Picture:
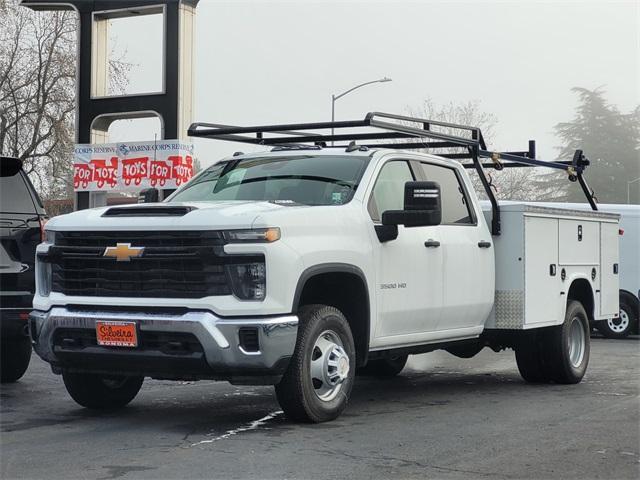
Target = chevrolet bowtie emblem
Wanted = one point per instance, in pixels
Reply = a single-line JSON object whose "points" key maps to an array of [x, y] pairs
{"points": [[123, 252]]}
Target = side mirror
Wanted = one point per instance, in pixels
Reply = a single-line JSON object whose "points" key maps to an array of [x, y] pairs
{"points": [[422, 206], [9, 166], [148, 195]]}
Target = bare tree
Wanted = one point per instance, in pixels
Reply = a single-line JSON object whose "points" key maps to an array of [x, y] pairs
{"points": [[37, 88], [510, 183], [37, 93]]}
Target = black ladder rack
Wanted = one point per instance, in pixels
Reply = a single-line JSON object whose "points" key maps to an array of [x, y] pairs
{"points": [[401, 132]]}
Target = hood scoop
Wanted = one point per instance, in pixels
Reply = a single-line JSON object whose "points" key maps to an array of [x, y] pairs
{"points": [[148, 211]]}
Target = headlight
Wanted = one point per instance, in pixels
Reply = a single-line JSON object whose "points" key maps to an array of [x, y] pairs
{"points": [[50, 237], [255, 235], [248, 280]]}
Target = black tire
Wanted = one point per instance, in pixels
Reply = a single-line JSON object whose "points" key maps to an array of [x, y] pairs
{"points": [[568, 365], [101, 392], [546, 355], [298, 394], [626, 322], [15, 356], [384, 367], [531, 357]]}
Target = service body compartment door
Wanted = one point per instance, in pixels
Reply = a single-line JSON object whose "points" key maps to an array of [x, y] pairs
{"points": [[579, 242], [609, 296], [543, 302]]}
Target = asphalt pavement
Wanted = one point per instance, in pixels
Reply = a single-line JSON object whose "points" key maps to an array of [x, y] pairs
{"points": [[443, 417]]}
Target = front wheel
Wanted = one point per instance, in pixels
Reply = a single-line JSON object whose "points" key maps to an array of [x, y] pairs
{"points": [[317, 383], [101, 392]]}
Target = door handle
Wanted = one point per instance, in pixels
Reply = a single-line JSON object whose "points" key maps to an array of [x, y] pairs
{"points": [[432, 243], [484, 244]]}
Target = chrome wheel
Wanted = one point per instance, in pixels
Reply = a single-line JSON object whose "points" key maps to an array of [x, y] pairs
{"points": [[577, 342], [329, 365], [620, 324]]}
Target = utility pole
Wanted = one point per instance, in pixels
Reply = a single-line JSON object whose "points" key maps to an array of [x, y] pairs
{"points": [[629, 189]]}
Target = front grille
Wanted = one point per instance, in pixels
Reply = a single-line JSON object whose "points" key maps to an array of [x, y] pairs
{"points": [[174, 264], [176, 238]]}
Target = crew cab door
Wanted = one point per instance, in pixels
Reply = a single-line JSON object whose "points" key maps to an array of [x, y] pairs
{"points": [[467, 250], [408, 273]]}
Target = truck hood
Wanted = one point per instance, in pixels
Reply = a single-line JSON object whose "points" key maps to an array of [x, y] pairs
{"points": [[198, 216]]}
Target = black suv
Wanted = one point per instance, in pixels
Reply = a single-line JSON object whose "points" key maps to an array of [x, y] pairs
{"points": [[22, 220]]}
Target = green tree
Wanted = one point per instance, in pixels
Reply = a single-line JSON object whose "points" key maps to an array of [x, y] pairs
{"points": [[610, 140]]}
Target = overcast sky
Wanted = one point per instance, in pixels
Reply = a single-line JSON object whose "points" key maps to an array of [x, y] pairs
{"points": [[263, 62]]}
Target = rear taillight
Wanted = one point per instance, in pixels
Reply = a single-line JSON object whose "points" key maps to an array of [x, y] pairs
{"points": [[621, 231], [43, 222]]}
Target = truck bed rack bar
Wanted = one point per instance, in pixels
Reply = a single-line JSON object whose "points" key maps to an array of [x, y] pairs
{"points": [[388, 131]]}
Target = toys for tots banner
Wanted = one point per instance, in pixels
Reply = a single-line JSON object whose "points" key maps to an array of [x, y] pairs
{"points": [[132, 166]]}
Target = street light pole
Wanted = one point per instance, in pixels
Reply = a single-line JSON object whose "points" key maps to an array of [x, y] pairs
{"points": [[336, 97], [629, 189]]}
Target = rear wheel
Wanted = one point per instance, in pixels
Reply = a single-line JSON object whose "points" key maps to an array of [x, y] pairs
{"points": [[101, 392], [15, 354], [529, 358], [318, 381], [384, 367], [570, 347], [622, 326], [559, 354]]}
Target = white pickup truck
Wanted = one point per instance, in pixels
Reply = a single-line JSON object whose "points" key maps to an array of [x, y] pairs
{"points": [[300, 265]]}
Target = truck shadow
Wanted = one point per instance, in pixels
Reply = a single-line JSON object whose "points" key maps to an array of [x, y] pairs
{"points": [[186, 414], [210, 418]]}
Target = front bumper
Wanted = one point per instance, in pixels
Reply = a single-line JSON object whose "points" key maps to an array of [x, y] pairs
{"points": [[185, 345]]}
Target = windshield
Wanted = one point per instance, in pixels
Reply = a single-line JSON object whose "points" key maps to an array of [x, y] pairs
{"points": [[304, 179], [14, 194]]}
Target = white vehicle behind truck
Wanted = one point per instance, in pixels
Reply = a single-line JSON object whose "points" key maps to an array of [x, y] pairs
{"points": [[299, 265]]}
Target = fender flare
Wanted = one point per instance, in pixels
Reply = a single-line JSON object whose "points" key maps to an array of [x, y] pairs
{"points": [[569, 282], [323, 268], [635, 301], [328, 268], [627, 293]]}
